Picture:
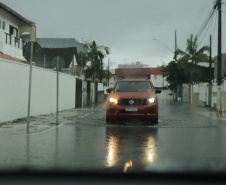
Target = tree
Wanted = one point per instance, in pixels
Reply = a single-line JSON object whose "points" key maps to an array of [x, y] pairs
{"points": [[92, 59], [182, 72], [192, 52]]}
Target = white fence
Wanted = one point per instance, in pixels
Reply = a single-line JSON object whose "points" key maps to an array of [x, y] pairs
{"points": [[14, 83], [199, 94]]}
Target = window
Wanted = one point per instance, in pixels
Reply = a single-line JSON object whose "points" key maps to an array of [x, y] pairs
{"points": [[3, 25], [13, 31], [133, 86], [155, 77]]}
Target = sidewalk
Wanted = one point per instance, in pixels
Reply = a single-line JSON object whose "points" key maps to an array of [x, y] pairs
{"points": [[42, 123]]}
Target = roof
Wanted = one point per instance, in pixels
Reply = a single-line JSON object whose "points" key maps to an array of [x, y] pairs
{"points": [[9, 58], [134, 80], [14, 13], [59, 43], [138, 71]]}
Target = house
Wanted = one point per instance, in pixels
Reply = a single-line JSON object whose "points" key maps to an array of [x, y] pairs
{"points": [[142, 72], [133, 65], [66, 48], [12, 25]]}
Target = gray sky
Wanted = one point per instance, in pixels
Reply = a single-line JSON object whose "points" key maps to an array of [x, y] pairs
{"points": [[128, 27]]}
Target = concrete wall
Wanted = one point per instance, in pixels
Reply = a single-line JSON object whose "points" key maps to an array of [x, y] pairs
{"points": [[200, 95], [186, 93], [84, 93], [100, 93], [14, 83], [158, 80]]}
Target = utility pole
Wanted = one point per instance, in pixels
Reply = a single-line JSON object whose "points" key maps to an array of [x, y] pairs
{"points": [[175, 53], [108, 70], [219, 106], [210, 61], [29, 89], [219, 44], [101, 69], [175, 58], [57, 90], [210, 74]]}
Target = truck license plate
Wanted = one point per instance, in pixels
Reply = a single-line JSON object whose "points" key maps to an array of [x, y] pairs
{"points": [[131, 108]]}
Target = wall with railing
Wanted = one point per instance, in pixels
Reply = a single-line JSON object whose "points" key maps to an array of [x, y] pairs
{"points": [[11, 45]]}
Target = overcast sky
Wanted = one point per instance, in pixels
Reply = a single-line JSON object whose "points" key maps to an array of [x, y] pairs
{"points": [[128, 27]]}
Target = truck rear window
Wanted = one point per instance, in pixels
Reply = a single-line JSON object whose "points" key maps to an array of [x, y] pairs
{"points": [[133, 86]]}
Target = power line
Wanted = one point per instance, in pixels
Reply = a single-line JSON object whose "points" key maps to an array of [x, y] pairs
{"points": [[207, 19], [214, 28], [163, 44], [203, 27], [208, 27]]}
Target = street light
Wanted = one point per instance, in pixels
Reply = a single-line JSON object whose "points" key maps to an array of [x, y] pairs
{"points": [[26, 37]]}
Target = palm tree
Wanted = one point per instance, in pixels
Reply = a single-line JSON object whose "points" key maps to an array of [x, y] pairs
{"points": [[92, 59], [192, 52], [195, 55]]}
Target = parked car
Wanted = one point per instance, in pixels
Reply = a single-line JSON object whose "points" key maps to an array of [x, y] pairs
{"points": [[132, 98]]}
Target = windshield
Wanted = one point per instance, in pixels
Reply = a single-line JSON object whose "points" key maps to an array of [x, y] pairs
{"points": [[113, 85], [133, 86]]}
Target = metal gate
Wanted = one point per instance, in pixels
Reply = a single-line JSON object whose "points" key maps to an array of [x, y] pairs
{"points": [[78, 95]]}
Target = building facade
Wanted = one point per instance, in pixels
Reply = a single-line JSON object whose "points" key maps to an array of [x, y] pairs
{"points": [[154, 74], [12, 25]]}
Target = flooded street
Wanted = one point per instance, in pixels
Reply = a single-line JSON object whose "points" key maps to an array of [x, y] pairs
{"points": [[185, 135]]}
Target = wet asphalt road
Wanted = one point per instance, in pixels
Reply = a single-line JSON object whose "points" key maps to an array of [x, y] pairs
{"points": [[185, 135]]}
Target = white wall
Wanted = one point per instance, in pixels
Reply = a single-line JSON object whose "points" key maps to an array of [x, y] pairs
{"points": [[201, 92], [92, 92], [186, 93], [100, 87], [158, 80], [84, 93], [14, 83]]}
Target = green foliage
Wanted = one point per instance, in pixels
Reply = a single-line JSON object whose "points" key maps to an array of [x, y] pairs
{"points": [[183, 72], [192, 52], [186, 70]]}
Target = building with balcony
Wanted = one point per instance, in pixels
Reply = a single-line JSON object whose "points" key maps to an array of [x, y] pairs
{"points": [[12, 25]]}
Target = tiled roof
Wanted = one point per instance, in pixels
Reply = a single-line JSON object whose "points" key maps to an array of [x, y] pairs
{"points": [[59, 43], [9, 58], [138, 71], [11, 11]]}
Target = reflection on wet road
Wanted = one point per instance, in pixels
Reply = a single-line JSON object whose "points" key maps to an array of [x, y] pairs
{"points": [[184, 134], [130, 143]]}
